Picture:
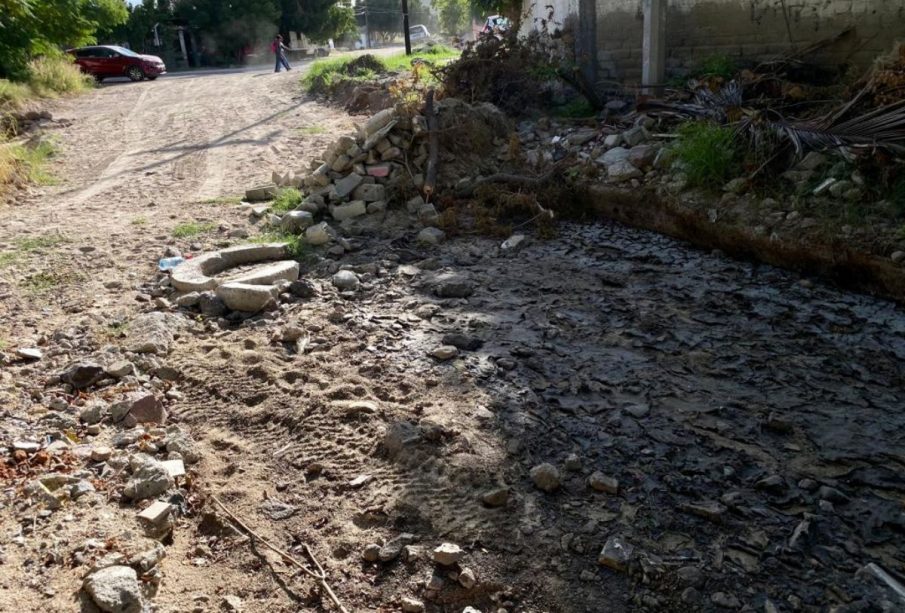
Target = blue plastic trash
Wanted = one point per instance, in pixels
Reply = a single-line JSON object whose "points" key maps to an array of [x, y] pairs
{"points": [[166, 264]]}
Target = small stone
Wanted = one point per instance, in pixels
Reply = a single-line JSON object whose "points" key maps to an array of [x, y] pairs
{"points": [[467, 579], [377, 207], [898, 257], [410, 605], [642, 156], [431, 236], [115, 589], [513, 242], [393, 548], [496, 497], [371, 553], [634, 136], [616, 554], [318, 234], [303, 288], [345, 280], [453, 286], [360, 481], [447, 554], [233, 603], [175, 468], [812, 161], [612, 140], [347, 185], [138, 408], [296, 221], [572, 462], [623, 171], [736, 186], [123, 368], [773, 483], [149, 478], [445, 352], [690, 575], [708, 509], [725, 600], [370, 192], [156, 514], [545, 477], [101, 454], [603, 483], [29, 353]]}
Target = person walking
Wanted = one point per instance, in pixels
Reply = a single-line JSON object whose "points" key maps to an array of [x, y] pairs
{"points": [[278, 48]]}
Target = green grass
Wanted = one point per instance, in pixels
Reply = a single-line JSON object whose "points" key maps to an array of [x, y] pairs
{"points": [[14, 95], [41, 282], [224, 200], [40, 242], [708, 154], [578, 108], [33, 161], [324, 73], [52, 76], [717, 65], [8, 258], [298, 249], [287, 200], [312, 130], [140, 221], [192, 228]]}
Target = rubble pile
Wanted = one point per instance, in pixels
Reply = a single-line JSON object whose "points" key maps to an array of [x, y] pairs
{"points": [[97, 450]]}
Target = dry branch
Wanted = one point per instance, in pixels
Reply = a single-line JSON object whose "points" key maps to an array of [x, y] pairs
{"points": [[433, 145], [320, 576]]}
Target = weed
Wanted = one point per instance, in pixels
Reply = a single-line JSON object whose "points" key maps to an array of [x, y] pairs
{"points": [[41, 282], [192, 228], [40, 242], [224, 200], [8, 258], [324, 74], [312, 130], [708, 153], [717, 65], [14, 95], [298, 249], [287, 199], [117, 329], [32, 160], [54, 75], [576, 108], [140, 221]]}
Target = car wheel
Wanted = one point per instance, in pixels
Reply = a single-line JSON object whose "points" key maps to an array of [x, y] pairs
{"points": [[98, 79], [152, 78], [135, 73]]}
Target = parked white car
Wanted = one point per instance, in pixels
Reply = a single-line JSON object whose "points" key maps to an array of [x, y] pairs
{"points": [[418, 32]]}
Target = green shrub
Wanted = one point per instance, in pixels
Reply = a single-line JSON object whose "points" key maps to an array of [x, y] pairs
{"points": [[708, 153], [52, 76], [13, 95], [286, 200], [717, 65]]}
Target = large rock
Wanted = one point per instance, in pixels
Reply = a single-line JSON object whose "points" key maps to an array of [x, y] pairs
{"points": [[296, 221], [153, 333], [623, 171], [431, 236], [545, 477], [616, 154], [447, 554], [138, 408], [83, 374], [319, 234], [149, 478], [453, 286], [345, 280], [115, 589], [246, 297]]}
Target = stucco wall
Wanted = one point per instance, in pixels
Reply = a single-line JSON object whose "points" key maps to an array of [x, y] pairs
{"points": [[754, 29]]}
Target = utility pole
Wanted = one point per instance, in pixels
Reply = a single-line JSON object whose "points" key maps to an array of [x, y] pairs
{"points": [[653, 61], [405, 27], [367, 25]]}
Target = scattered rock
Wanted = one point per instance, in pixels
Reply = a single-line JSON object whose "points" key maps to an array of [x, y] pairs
{"points": [[115, 589], [296, 221], [345, 281], [467, 579], [303, 288], [623, 171], [513, 242], [153, 333], [462, 342], [371, 553], [616, 554], [138, 408], [496, 497], [29, 353], [572, 462], [83, 374], [725, 600], [453, 286], [233, 603], [247, 298], [347, 185], [545, 477], [319, 234], [445, 352], [353, 209], [93, 411], [410, 605], [150, 478], [120, 369], [261, 193], [431, 236], [447, 554], [603, 483]]}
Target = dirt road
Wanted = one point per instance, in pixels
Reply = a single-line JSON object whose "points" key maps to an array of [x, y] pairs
{"points": [[737, 429]]}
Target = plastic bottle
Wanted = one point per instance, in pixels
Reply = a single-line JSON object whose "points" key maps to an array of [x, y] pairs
{"points": [[166, 264]]}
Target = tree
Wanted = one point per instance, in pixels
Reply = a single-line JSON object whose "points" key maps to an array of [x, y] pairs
{"points": [[384, 18], [228, 27], [339, 20], [29, 28], [454, 15]]}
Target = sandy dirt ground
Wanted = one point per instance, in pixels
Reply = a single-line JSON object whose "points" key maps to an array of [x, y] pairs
{"points": [[737, 429]]}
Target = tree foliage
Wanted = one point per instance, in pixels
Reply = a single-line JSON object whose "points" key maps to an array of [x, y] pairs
{"points": [[30, 28], [227, 27], [454, 15]]}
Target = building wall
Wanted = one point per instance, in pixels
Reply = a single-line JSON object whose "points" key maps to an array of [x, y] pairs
{"points": [[752, 29]]}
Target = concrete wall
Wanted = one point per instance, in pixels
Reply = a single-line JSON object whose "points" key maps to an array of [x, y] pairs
{"points": [[752, 29]]}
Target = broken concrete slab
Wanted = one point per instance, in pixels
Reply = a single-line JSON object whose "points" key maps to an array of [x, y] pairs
{"points": [[195, 275], [347, 185], [287, 270], [342, 212], [153, 333]]}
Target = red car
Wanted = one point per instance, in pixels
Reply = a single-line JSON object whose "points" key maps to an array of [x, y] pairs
{"points": [[110, 61]]}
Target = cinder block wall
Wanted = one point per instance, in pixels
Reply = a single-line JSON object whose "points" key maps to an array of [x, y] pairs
{"points": [[753, 29]]}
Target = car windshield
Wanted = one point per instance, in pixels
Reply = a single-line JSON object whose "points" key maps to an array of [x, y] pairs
{"points": [[124, 51]]}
